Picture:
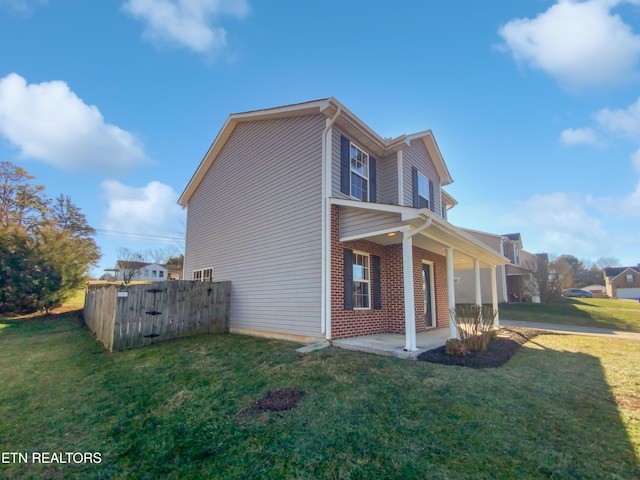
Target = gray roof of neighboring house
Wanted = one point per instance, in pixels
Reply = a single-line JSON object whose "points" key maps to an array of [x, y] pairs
{"points": [[512, 236], [615, 271]]}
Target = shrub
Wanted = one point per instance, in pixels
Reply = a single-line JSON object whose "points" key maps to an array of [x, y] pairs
{"points": [[475, 325], [455, 347]]}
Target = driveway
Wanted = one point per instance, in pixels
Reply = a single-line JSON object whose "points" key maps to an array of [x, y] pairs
{"points": [[573, 329]]}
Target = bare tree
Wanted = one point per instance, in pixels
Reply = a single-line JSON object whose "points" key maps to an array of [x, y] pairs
{"points": [[550, 275], [606, 262], [129, 263]]}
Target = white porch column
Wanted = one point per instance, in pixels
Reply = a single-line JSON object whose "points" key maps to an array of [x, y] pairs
{"points": [[494, 294], [476, 279], [453, 332], [409, 300]]}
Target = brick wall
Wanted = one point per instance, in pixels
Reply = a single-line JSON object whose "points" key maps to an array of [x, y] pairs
{"points": [[390, 319]]}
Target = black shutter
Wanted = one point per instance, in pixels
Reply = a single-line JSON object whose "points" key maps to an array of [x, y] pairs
{"points": [[345, 168], [375, 282], [431, 195], [372, 179], [414, 176], [347, 255]]}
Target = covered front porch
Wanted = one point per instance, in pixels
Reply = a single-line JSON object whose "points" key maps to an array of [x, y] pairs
{"points": [[420, 243]]}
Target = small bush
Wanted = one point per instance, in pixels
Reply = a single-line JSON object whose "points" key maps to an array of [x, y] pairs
{"points": [[455, 347], [475, 325]]}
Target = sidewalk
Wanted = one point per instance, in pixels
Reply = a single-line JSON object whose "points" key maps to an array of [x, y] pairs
{"points": [[573, 329]]}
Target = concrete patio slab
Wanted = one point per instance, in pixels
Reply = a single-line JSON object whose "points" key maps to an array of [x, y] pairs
{"points": [[392, 344]]}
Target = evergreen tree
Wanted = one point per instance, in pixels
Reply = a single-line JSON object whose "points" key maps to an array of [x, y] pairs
{"points": [[46, 248]]}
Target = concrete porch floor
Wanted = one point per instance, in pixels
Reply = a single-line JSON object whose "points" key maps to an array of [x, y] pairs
{"points": [[392, 344]]}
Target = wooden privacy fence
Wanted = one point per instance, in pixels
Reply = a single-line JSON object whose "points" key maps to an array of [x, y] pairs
{"points": [[144, 314]]}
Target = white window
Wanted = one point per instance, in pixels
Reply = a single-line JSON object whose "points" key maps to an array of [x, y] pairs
{"points": [[361, 281], [161, 273], [203, 275], [444, 212], [154, 273], [630, 278], [359, 161], [423, 191], [146, 273]]}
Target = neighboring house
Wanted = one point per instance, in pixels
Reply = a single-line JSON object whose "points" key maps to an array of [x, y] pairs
{"points": [[321, 225], [174, 272], [595, 289], [512, 280], [141, 271], [622, 282]]}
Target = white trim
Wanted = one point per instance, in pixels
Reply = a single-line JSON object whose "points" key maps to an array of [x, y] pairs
{"points": [[325, 264], [368, 282], [201, 271], [432, 281], [476, 279], [428, 197], [494, 294], [453, 332], [409, 300], [400, 178], [354, 172]]}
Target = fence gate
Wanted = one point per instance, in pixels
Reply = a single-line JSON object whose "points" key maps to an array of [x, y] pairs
{"points": [[150, 313]]}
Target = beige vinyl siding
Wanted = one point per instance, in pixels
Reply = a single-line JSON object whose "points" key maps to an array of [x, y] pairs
{"points": [[386, 171], [465, 289], [387, 181], [416, 155], [256, 220], [356, 221]]}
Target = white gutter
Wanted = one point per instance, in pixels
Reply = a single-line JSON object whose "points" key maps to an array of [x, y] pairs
{"points": [[407, 276], [325, 306]]}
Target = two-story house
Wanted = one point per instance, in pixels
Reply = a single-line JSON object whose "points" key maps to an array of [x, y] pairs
{"points": [[513, 279], [622, 282], [325, 229]]}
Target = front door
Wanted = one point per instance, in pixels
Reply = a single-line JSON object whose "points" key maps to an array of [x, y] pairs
{"points": [[427, 294]]}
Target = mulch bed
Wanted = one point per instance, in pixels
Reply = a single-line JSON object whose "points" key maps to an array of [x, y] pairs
{"points": [[499, 351]]}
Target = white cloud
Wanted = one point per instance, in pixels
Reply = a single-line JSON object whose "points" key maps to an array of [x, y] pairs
{"points": [[562, 225], [186, 22], [145, 212], [624, 206], [579, 43], [635, 160], [48, 122], [25, 7], [622, 122], [575, 136]]}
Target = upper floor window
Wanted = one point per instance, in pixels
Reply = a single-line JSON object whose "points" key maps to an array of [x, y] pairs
{"points": [[444, 211], [161, 273], [359, 162], [423, 191], [516, 254], [630, 278]]}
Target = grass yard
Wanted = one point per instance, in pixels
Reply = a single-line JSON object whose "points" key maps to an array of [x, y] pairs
{"points": [[589, 312], [563, 407]]}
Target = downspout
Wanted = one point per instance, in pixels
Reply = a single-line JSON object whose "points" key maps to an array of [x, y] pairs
{"points": [[407, 275], [325, 306]]}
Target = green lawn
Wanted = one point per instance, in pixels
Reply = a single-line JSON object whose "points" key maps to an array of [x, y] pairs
{"points": [[589, 312], [563, 407]]}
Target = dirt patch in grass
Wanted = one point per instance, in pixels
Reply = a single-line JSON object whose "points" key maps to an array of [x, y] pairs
{"points": [[499, 351], [279, 400]]}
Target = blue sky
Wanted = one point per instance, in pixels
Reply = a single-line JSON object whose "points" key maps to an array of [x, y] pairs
{"points": [[535, 104]]}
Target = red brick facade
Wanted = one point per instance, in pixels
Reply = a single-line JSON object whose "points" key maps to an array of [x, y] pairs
{"points": [[390, 319]]}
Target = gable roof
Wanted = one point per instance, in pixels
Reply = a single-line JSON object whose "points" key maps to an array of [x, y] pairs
{"points": [[612, 272], [330, 107]]}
